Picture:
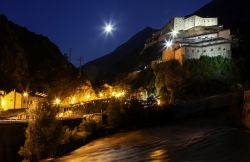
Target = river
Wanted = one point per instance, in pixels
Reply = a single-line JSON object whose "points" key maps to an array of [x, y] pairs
{"points": [[200, 139]]}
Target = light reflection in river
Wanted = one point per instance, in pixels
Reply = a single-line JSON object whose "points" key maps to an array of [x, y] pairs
{"points": [[209, 139], [159, 155]]}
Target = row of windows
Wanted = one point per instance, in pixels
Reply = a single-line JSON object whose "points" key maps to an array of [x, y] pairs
{"points": [[27, 102], [219, 49]]}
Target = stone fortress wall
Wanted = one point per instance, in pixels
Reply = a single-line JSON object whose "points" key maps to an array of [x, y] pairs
{"points": [[182, 23], [196, 37]]}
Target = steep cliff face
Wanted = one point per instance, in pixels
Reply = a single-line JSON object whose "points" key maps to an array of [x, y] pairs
{"points": [[29, 60]]}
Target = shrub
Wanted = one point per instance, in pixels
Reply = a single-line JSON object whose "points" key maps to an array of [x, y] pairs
{"points": [[42, 134]]}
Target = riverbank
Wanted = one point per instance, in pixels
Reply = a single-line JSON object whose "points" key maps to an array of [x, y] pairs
{"points": [[206, 138]]}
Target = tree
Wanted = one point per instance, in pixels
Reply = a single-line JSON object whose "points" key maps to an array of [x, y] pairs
{"points": [[42, 134]]}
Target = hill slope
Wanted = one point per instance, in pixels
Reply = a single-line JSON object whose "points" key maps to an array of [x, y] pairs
{"points": [[29, 60], [124, 59]]}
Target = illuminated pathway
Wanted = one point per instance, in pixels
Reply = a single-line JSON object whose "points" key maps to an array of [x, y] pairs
{"points": [[208, 140]]}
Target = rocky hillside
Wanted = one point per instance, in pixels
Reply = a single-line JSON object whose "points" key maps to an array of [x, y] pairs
{"points": [[30, 61], [124, 59]]}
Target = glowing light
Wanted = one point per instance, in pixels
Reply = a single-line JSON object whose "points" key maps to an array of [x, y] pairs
{"points": [[73, 100], [113, 94], [25, 94], [3, 103], [174, 33], [87, 97], [118, 94], [156, 154], [168, 43], [158, 102], [57, 101], [108, 28], [100, 94]]}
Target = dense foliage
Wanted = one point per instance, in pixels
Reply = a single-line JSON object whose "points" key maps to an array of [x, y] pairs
{"points": [[212, 68], [31, 61], [209, 76], [43, 133], [195, 78]]}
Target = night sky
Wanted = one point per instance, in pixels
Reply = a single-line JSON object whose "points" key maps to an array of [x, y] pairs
{"points": [[77, 24]]}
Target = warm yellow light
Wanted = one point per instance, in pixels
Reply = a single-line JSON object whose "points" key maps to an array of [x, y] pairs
{"points": [[25, 94], [113, 94], [2, 103], [100, 94], [57, 101], [88, 96], [158, 102], [119, 94], [73, 100]]}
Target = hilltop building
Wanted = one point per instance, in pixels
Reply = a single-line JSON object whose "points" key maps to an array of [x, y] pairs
{"points": [[191, 38]]}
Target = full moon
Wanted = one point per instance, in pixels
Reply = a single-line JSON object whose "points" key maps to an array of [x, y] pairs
{"points": [[108, 28]]}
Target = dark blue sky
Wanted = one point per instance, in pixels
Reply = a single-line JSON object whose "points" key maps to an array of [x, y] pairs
{"points": [[77, 24]]}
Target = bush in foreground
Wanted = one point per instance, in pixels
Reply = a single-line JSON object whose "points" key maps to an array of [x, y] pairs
{"points": [[42, 134]]}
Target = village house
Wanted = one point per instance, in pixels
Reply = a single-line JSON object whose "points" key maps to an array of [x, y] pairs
{"points": [[17, 100]]}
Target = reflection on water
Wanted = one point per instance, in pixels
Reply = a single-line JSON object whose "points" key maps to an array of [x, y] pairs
{"points": [[159, 155], [207, 140]]}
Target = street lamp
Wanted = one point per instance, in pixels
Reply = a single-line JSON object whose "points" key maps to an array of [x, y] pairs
{"points": [[168, 43], [57, 101], [25, 94]]}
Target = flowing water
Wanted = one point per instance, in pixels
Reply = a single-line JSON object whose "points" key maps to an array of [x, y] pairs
{"points": [[203, 139]]}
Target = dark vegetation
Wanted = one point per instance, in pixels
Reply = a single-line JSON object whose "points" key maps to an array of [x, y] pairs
{"points": [[134, 115], [235, 16], [208, 76], [30, 61], [43, 134], [196, 78]]}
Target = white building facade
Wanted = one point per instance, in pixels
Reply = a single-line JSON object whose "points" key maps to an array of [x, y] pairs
{"points": [[196, 37], [182, 23]]}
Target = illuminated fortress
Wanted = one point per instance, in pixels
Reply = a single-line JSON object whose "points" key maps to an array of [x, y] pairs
{"points": [[191, 38]]}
